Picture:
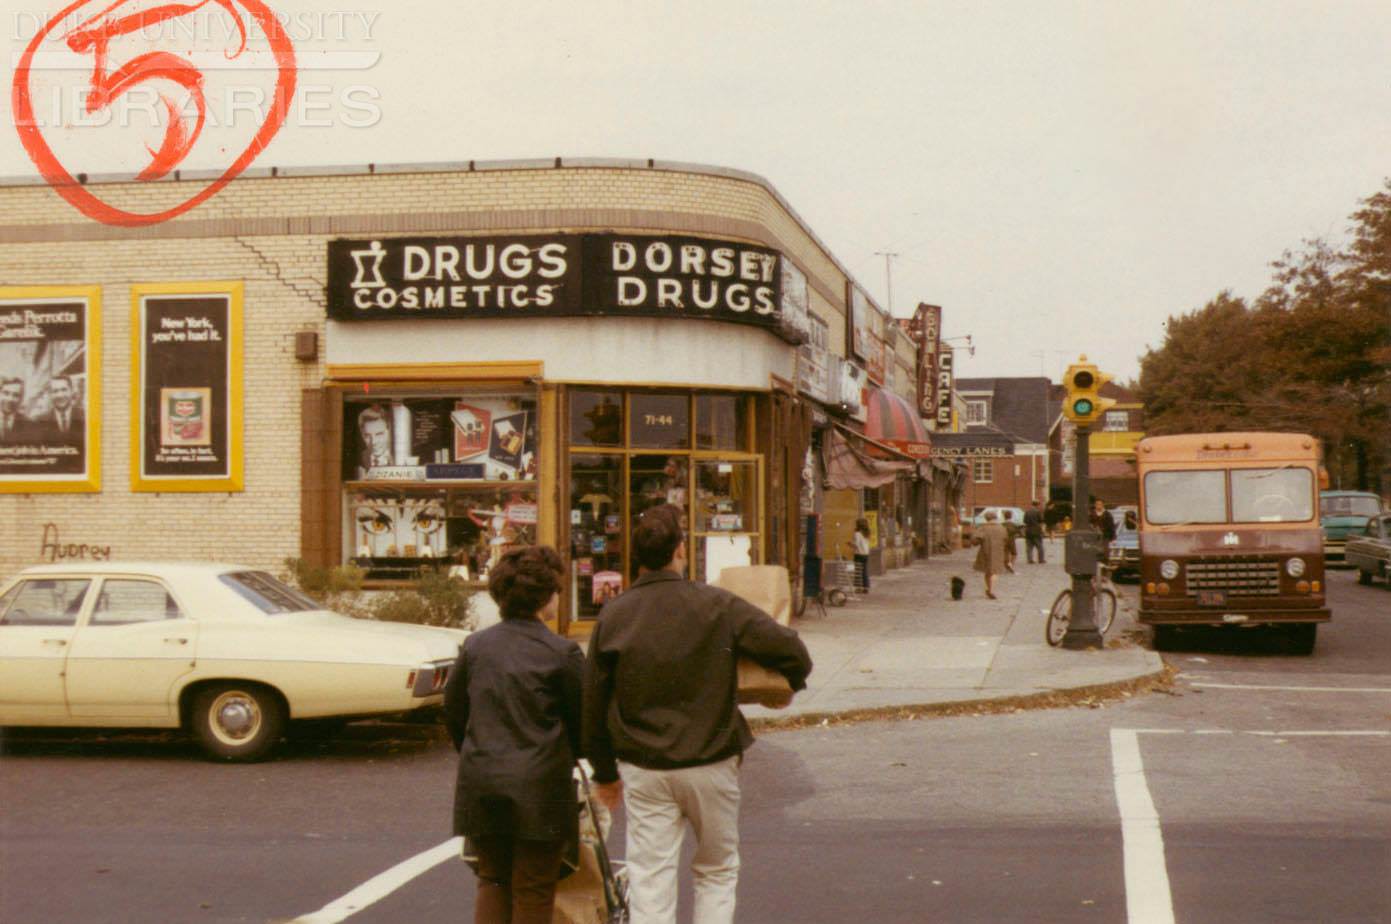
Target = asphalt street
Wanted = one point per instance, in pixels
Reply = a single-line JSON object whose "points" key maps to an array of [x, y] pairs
{"points": [[1266, 773]]}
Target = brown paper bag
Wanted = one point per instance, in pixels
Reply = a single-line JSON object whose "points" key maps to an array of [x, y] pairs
{"points": [[768, 588]]}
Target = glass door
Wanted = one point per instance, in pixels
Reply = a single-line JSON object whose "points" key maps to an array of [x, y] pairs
{"points": [[726, 517]]}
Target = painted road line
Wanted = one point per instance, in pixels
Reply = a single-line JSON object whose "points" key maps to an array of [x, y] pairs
{"points": [[1147, 896], [382, 885], [1324, 734], [1290, 689]]}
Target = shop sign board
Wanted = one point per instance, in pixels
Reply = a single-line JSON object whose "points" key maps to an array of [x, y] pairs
{"points": [[522, 276], [861, 322], [186, 387], [814, 373], [970, 452], [927, 333], [50, 408], [945, 382], [796, 303], [853, 386]]}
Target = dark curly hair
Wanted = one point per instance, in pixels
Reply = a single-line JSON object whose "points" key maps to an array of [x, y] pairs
{"points": [[657, 535], [524, 580]]}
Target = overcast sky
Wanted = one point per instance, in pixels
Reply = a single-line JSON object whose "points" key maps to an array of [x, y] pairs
{"points": [[1060, 177]]}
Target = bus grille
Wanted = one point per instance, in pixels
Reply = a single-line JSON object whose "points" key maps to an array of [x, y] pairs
{"points": [[1239, 577]]}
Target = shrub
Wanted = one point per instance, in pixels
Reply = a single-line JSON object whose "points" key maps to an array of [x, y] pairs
{"points": [[436, 599]]}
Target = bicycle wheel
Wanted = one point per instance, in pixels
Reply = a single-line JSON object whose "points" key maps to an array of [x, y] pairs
{"points": [[1058, 618], [1104, 601]]}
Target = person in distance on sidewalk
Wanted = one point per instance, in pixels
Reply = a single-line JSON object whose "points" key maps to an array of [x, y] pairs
{"points": [[1033, 533], [990, 558], [1012, 530], [662, 725]]}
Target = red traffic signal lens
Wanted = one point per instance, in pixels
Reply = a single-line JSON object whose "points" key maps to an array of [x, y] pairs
{"points": [[1083, 379]]}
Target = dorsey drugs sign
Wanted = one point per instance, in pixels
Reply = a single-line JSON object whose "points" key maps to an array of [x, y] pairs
{"points": [[554, 276]]}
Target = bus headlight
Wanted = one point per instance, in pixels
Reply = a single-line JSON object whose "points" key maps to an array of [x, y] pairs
{"points": [[1294, 567], [1168, 569]]}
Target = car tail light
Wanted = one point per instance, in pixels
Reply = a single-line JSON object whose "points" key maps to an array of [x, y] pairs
{"points": [[410, 681]]}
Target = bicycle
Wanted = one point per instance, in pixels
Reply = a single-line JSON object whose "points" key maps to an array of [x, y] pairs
{"points": [[1103, 608]]}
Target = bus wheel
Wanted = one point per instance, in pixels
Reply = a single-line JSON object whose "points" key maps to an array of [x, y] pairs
{"points": [[1165, 638], [1364, 577], [1300, 638]]}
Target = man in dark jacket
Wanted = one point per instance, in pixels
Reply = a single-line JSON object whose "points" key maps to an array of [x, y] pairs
{"points": [[1033, 533], [661, 714]]}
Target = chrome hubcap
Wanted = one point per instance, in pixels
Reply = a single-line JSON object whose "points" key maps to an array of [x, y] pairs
{"points": [[235, 717]]}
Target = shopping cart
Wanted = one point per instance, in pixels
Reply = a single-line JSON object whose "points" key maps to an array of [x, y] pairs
{"points": [[839, 581]]}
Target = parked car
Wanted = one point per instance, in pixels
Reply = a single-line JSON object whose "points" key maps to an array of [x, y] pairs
{"points": [[1123, 554], [1370, 552], [1342, 514], [229, 653]]}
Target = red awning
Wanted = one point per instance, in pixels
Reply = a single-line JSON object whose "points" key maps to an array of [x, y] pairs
{"points": [[895, 422]]}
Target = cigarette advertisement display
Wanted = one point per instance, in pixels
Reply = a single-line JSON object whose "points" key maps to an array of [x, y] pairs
{"points": [[186, 387], [486, 437], [50, 382]]}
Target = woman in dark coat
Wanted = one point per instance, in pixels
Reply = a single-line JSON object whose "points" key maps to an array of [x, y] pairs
{"points": [[512, 705]]}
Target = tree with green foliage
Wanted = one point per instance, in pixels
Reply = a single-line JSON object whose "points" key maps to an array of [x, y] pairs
{"points": [[1312, 354]]}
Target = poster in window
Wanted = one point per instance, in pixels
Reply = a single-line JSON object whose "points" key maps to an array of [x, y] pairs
{"points": [[508, 439], [50, 407], [484, 437], [186, 387]]}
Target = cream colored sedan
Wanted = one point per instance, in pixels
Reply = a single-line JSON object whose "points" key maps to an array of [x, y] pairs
{"points": [[227, 652]]}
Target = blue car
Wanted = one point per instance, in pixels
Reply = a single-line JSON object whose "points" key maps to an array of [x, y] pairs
{"points": [[1343, 514]]}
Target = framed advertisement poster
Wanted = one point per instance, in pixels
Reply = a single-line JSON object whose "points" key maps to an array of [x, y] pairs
{"points": [[186, 387], [50, 389]]}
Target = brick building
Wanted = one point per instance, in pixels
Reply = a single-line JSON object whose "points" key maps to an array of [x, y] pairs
{"points": [[400, 367], [1111, 448], [1004, 439]]}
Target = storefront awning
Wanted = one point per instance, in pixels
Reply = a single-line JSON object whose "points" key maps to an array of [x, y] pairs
{"points": [[849, 466], [895, 422]]}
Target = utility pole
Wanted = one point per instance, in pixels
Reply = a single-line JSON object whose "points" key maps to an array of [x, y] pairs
{"points": [[888, 275]]}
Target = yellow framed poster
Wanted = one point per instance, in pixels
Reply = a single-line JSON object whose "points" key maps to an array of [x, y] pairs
{"points": [[50, 389], [186, 387]]}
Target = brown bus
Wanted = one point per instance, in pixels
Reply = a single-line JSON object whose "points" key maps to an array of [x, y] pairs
{"points": [[1229, 534]]}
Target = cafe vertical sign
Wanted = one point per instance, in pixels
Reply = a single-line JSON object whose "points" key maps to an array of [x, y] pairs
{"points": [[186, 387]]}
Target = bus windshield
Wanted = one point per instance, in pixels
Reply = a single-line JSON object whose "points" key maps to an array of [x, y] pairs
{"points": [[1272, 495], [1259, 495], [1186, 497]]}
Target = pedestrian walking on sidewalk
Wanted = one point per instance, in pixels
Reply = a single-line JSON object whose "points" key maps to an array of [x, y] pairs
{"points": [[1012, 530], [662, 727], [990, 557], [513, 706], [1033, 533], [859, 546]]}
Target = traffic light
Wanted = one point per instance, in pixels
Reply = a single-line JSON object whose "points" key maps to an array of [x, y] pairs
{"points": [[1083, 404]]}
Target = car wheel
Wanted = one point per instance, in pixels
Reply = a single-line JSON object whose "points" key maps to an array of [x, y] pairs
{"points": [[237, 721], [1363, 576]]}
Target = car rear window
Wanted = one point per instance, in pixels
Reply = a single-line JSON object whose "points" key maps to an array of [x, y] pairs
{"points": [[267, 594]]}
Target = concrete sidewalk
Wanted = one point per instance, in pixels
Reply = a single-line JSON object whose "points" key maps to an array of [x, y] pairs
{"points": [[908, 644]]}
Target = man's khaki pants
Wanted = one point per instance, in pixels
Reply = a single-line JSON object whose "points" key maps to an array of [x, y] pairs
{"points": [[658, 804]]}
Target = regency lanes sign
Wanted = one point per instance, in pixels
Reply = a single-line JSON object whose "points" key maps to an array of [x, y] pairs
{"points": [[515, 276]]}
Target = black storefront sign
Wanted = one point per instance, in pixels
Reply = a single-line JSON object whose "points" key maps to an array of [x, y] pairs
{"points": [[186, 400], [554, 276]]}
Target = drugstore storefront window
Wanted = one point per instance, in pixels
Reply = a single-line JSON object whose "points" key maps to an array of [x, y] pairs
{"points": [[630, 450], [438, 480]]}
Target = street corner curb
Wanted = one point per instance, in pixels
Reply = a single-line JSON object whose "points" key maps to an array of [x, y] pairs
{"points": [[1092, 696]]}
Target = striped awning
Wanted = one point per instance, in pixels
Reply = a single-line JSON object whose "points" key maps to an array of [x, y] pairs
{"points": [[895, 422]]}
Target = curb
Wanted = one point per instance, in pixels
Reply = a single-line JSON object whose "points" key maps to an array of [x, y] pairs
{"points": [[1092, 696]]}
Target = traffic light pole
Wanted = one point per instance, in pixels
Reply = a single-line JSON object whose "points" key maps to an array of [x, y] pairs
{"points": [[1082, 552]]}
